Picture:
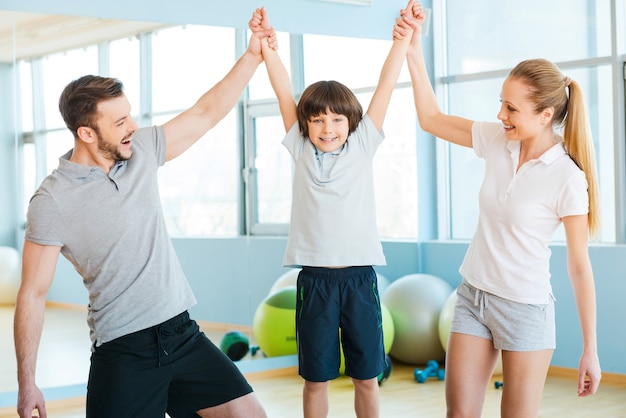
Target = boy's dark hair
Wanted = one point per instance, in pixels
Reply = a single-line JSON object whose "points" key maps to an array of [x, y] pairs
{"points": [[331, 95], [79, 100]]}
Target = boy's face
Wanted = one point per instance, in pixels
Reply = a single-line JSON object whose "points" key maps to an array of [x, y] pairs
{"points": [[329, 131]]}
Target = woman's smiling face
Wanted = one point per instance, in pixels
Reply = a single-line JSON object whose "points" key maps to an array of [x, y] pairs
{"points": [[517, 114]]}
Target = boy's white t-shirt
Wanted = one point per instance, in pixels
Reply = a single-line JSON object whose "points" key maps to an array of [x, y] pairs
{"points": [[333, 211]]}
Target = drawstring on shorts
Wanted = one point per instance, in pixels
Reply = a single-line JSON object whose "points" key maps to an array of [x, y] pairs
{"points": [[482, 301], [159, 344]]}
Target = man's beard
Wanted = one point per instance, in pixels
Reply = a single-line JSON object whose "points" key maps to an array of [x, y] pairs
{"points": [[109, 150]]}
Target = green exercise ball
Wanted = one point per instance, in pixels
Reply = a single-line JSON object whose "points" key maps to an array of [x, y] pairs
{"points": [[274, 323]]}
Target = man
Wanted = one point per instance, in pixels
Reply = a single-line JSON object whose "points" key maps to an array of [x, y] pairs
{"points": [[100, 208]]}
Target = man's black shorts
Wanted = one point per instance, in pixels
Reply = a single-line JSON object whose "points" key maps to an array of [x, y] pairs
{"points": [[172, 367]]}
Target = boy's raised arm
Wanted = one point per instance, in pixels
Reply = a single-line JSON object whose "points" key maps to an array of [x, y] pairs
{"points": [[278, 75]]}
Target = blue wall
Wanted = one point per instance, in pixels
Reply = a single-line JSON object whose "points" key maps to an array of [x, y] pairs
{"points": [[232, 276]]}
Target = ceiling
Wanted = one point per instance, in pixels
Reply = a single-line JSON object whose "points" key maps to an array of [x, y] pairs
{"points": [[41, 34]]}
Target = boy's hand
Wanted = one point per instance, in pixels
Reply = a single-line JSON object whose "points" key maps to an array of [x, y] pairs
{"points": [[259, 22], [418, 11], [410, 21], [401, 29]]}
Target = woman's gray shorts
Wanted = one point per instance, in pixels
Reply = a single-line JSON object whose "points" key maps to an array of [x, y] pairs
{"points": [[510, 325]]}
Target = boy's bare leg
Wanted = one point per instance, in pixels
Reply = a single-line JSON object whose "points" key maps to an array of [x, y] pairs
{"points": [[366, 402], [315, 399]]}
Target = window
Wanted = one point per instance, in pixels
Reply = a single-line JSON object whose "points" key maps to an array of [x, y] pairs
{"points": [[354, 62], [200, 189], [42, 81], [260, 87], [29, 163], [274, 169], [238, 178], [26, 96], [186, 63], [487, 35], [268, 167], [124, 58], [56, 72], [579, 42], [395, 169]]}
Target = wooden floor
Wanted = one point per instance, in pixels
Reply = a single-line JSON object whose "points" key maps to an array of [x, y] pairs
{"points": [[64, 357]]}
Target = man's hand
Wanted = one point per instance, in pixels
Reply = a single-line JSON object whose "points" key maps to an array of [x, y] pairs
{"points": [[30, 398]]}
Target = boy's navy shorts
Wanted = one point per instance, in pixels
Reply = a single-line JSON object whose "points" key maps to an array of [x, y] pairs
{"points": [[336, 303], [172, 367]]}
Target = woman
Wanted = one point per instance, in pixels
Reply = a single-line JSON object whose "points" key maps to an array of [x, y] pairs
{"points": [[535, 179]]}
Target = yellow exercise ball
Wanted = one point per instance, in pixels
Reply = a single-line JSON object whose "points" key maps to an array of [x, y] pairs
{"points": [[274, 323]]}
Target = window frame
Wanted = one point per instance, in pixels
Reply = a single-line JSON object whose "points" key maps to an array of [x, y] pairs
{"points": [[617, 61], [249, 111]]}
